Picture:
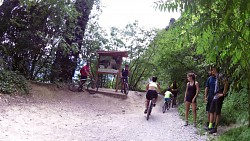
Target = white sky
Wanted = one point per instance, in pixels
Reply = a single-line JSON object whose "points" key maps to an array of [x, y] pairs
{"points": [[119, 13]]}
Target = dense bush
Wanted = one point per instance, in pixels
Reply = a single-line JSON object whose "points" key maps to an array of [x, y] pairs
{"points": [[12, 83], [235, 108]]}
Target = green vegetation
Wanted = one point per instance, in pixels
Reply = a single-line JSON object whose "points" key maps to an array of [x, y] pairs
{"points": [[13, 83], [217, 32], [48, 40], [240, 133]]}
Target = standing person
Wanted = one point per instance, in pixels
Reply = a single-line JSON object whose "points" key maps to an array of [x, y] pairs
{"points": [[174, 90], [209, 93], [124, 76], [85, 72], [191, 94], [152, 88], [221, 86]]}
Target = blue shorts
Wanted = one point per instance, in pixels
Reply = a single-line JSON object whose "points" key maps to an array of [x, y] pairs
{"points": [[167, 99]]}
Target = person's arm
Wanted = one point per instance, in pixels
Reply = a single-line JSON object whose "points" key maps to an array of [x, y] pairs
{"points": [[225, 89], [186, 92], [197, 91], [159, 88], [206, 92], [147, 86]]}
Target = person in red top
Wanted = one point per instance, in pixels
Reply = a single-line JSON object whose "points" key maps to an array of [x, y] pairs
{"points": [[84, 73]]}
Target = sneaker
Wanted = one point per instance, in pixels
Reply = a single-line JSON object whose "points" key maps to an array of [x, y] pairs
{"points": [[146, 110], [186, 123], [206, 126], [213, 130], [154, 104]]}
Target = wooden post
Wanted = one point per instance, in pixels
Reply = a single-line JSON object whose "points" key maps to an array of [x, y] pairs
{"points": [[97, 66], [118, 75]]}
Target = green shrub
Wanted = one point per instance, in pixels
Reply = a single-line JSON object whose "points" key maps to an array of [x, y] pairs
{"points": [[241, 134], [235, 108], [12, 83]]}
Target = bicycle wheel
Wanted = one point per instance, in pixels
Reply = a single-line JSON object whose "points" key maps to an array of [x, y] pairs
{"points": [[91, 88], [73, 87], [164, 107], [168, 105], [97, 86], [149, 109], [126, 89]]}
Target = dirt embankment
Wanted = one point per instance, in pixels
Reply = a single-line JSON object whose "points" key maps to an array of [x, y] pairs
{"points": [[53, 114]]}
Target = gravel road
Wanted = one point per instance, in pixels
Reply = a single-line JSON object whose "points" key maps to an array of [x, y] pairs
{"points": [[59, 115]]}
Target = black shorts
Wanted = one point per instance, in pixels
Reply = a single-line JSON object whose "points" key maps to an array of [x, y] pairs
{"points": [[84, 77], [125, 79], [174, 92], [216, 105], [189, 98], [151, 94], [209, 101]]}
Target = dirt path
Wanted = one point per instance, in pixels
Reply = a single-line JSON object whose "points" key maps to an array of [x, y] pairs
{"points": [[57, 115]]}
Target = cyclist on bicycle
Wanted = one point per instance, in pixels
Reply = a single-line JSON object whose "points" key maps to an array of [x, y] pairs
{"points": [[168, 95], [152, 88], [124, 76], [85, 72]]}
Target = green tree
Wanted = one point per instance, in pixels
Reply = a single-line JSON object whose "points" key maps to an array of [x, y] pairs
{"points": [[222, 35]]}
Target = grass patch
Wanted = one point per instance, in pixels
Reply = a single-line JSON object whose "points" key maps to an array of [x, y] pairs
{"points": [[241, 134]]}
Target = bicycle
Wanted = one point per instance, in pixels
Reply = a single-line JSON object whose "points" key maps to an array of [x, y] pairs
{"points": [[149, 108], [167, 105], [125, 86], [91, 85]]}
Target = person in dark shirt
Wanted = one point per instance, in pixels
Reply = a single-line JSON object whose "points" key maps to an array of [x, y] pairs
{"points": [[209, 93], [220, 91], [174, 90], [191, 94], [124, 76]]}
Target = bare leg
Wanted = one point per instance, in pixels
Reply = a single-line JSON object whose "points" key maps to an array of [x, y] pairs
{"points": [[208, 116], [146, 104], [187, 110], [154, 100], [194, 111], [217, 120]]}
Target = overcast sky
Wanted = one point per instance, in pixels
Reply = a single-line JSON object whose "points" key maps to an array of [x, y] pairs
{"points": [[118, 13]]}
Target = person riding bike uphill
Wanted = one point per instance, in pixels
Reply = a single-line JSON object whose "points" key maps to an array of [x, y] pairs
{"points": [[85, 72], [124, 76], [174, 90], [152, 88]]}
